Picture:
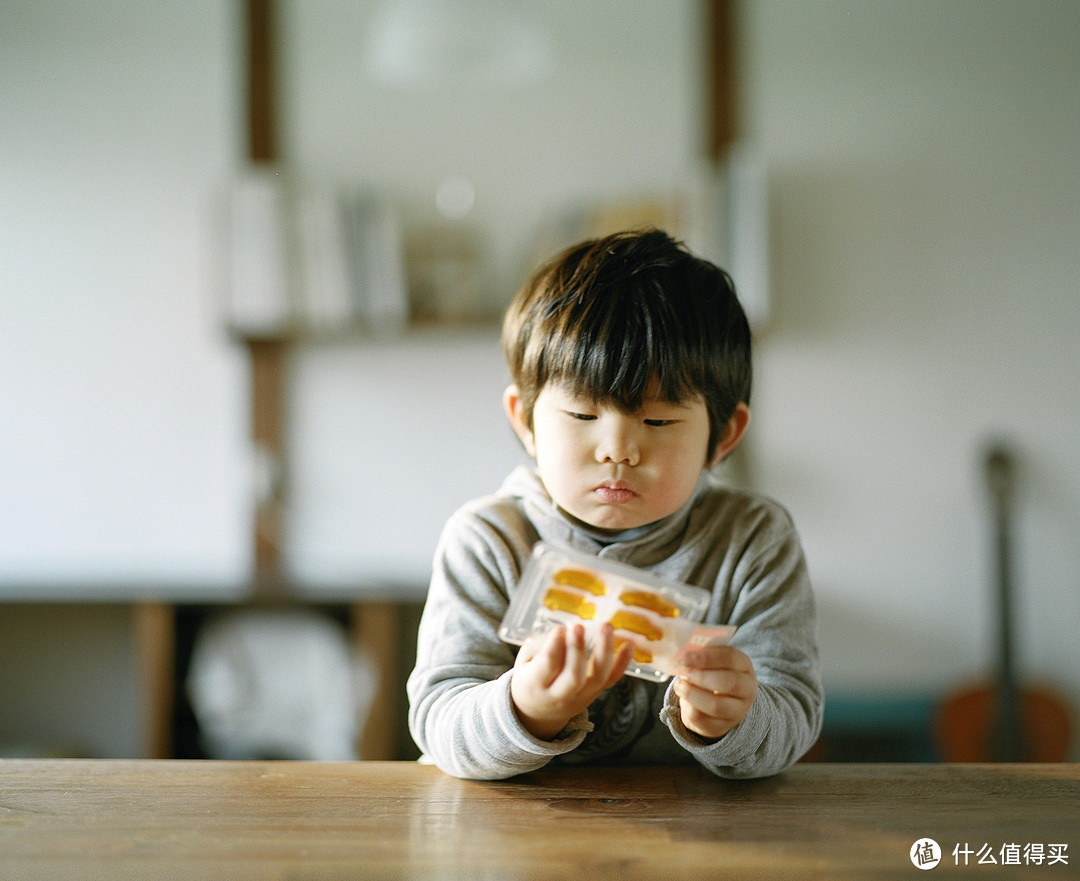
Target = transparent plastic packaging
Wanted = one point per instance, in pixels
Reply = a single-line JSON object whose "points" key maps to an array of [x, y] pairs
{"points": [[661, 618]]}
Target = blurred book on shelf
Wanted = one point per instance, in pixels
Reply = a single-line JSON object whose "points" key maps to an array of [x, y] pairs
{"points": [[310, 259]]}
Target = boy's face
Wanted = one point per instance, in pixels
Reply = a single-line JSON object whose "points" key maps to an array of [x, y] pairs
{"points": [[615, 470]]}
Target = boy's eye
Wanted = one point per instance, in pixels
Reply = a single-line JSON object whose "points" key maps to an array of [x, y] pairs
{"points": [[584, 417], [657, 422]]}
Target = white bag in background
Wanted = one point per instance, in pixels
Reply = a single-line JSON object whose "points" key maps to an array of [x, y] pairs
{"points": [[282, 684]]}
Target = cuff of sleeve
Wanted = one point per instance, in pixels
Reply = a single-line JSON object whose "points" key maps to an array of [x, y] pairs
{"points": [[568, 739], [575, 729], [738, 745]]}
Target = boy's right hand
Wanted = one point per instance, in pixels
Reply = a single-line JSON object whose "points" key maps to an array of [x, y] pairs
{"points": [[557, 677]]}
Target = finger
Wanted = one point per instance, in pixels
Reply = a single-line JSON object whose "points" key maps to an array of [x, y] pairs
{"points": [[715, 718], [528, 650], [547, 656], [709, 700], [717, 682], [706, 711], [606, 665], [619, 664], [715, 656], [577, 655], [603, 652], [721, 669]]}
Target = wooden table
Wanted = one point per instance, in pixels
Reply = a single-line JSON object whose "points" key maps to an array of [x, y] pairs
{"points": [[385, 820]]}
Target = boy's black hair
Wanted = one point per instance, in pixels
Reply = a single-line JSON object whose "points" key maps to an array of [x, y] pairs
{"points": [[609, 315]]}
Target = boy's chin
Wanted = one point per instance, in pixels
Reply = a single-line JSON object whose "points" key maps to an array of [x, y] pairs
{"points": [[609, 521]]}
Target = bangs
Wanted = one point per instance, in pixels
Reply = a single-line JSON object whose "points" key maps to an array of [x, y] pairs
{"points": [[611, 346]]}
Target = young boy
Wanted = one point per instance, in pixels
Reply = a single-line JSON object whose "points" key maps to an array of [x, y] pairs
{"points": [[630, 361]]}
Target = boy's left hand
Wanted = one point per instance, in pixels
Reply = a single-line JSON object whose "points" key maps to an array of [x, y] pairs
{"points": [[716, 686]]}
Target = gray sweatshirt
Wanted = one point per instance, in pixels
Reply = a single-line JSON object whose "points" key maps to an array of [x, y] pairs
{"points": [[742, 547]]}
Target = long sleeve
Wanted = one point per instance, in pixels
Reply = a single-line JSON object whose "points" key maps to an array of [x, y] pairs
{"points": [[771, 602], [460, 711]]}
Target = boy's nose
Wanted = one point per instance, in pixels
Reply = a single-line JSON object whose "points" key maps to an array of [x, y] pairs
{"points": [[619, 447]]}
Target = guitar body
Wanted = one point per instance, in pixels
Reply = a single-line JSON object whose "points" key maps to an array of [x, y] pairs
{"points": [[968, 726]]}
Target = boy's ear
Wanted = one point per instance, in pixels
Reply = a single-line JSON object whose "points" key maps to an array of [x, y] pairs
{"points": [[513, 406], [732, 433]]}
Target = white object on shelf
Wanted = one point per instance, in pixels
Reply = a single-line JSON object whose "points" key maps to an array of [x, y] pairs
{"points": [[258, 286]]}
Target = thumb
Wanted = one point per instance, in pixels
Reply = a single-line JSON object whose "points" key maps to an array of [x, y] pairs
{"points": [[547, 652]]}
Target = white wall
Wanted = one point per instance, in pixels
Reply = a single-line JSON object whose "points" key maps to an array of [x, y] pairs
{"points": [[120, 400], [927, 220], [388, 439]]}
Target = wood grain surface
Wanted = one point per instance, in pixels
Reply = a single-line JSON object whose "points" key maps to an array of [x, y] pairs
{"points": [[399, 820]]}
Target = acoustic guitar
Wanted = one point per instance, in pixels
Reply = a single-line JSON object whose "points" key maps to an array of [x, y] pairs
{"points": [[1000, 720]]}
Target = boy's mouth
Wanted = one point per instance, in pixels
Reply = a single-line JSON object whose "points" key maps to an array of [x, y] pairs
{"points": [[614, 493]]}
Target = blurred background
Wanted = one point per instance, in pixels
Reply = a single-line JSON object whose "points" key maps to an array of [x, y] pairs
{"points": [[899, 187]]}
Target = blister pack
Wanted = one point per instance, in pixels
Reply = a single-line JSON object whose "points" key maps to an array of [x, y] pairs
{"points": [[661, 618]]}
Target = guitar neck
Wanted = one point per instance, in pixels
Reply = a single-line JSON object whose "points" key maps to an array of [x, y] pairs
{"points": [[1007, 737]]}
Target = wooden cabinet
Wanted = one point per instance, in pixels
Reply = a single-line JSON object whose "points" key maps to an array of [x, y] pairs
{"points": [[382, 629]]}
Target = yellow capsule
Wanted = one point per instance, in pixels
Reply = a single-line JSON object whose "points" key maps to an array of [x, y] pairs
{"points": [[639, 624], [581, 579], [647, 600], [559, 600]]}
